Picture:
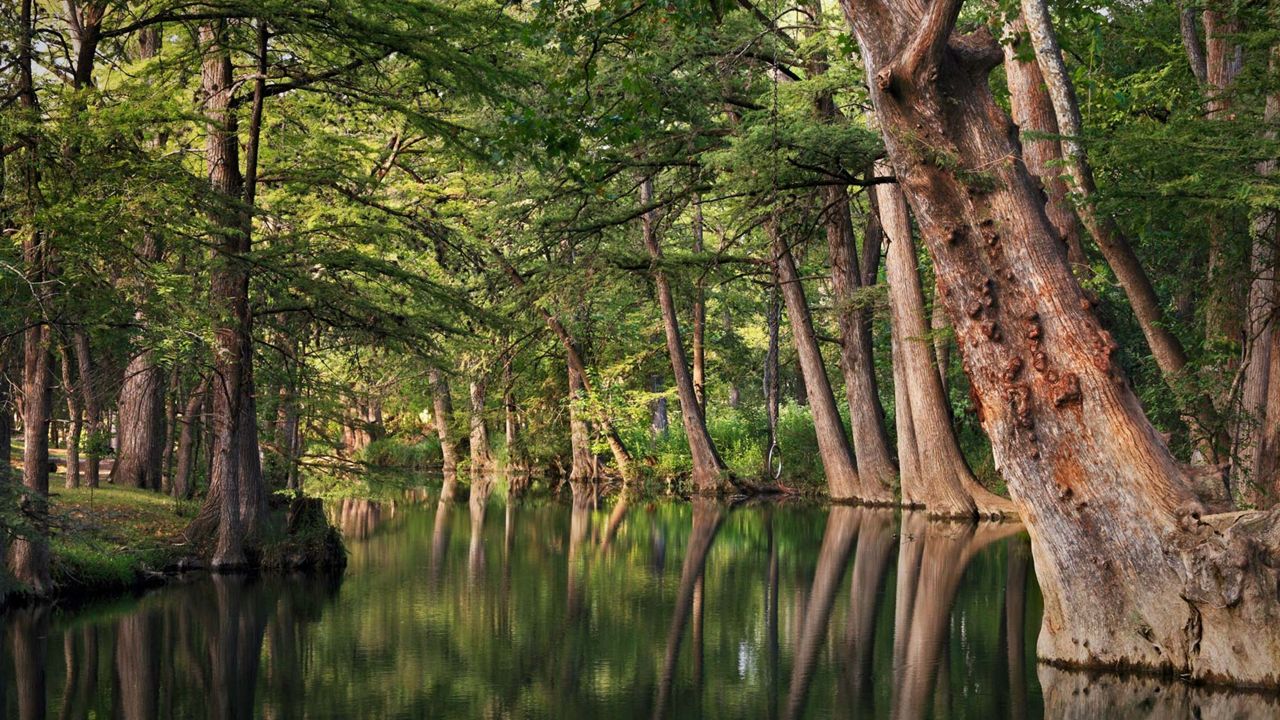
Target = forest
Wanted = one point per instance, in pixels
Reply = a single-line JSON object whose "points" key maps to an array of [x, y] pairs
{"points": [[993, 263]]}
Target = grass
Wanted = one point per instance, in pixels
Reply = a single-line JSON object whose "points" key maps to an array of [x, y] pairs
{"points": [[110, 538]]}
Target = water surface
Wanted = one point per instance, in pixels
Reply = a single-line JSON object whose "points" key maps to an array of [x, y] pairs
{"points": [[548, 611]]}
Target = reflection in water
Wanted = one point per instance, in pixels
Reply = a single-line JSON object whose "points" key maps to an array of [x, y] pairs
{"points": [[568, 610]]}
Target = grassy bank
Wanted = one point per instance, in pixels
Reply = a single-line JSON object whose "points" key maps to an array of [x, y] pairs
{"points": [[112, 538]]}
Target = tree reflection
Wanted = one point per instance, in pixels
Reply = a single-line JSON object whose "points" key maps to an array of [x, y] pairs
{"points": [[932, 557], [707, 516]]}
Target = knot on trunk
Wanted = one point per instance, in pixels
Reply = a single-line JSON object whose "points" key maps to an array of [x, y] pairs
{"points": [[1213, 561]]}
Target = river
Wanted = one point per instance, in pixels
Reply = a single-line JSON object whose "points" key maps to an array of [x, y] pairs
{"points": [[542, 610]]}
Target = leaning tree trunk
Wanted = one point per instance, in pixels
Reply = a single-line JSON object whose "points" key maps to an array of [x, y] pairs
{"points": [[578, 368], [843, 482], [710, 474], [942, 484], [872, 450], [1032, 111], [582, 462], [1133, 573], [1167, 350], [442, 414]]}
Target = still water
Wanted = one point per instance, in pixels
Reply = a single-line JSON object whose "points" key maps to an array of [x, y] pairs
{"points": [[546, 611]]}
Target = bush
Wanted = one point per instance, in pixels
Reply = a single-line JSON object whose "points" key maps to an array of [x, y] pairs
{"points": [[397, 454]]}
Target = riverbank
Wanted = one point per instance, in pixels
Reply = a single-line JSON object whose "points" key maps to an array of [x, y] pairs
{"points": [[108, 539]]}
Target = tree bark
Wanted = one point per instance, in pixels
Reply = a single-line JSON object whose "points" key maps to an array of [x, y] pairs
{"points": [[942, 484], [481, 462], [29, 557], [699, 314], [229, 292], [1167, 350], [1033, 113], [139, 459], [872, 452], [189, 442], [442, 414], [710, 474], [1133, 573], [75, 413], [843, 482], [92, 406]]}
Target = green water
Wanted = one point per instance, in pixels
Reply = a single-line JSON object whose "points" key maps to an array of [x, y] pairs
{"points": [[544, 611]]}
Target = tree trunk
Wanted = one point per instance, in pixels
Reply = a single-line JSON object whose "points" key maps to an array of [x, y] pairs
{"points": [[75, 414], [658, 422], [92, 406], [843, 482], [139, 459], [582, 464], [710, 475], [578, 368], [29, 559], [1255, 440], [866, 415], [1165, 346], [189, 443], [171, 399], [481, 462], [699, 314], [442, 414], [943, 484], [1032, 110], [870, 437], [1133, 574], [229, 293], [1224, 59], [772, 367], [6, 423]]}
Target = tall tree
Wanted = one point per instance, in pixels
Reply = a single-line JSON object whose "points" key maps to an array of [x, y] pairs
{"points": [[710, 475], [1116, 530]]}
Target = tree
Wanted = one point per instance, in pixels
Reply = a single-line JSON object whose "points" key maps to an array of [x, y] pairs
{"points": [[1117, 532]]}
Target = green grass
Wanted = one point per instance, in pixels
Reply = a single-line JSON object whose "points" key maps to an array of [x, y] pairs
{"points": [[108, 538]]}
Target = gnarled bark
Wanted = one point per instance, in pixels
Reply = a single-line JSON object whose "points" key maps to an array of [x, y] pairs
{"points": [[1167, 350], [1133, 573]]}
